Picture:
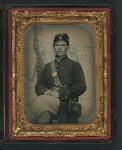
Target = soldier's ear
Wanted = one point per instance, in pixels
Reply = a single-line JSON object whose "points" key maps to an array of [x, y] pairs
{"points": [[68, 47]]}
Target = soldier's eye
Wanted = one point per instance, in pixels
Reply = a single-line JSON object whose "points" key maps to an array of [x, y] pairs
{"points": [[56, 44], [63, 45]]}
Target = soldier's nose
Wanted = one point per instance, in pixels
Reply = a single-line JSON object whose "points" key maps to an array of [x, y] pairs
{"points": [[59, 48]]}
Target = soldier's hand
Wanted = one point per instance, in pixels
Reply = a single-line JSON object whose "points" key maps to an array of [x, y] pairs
{"points": [[55, 94], [48, 93]]}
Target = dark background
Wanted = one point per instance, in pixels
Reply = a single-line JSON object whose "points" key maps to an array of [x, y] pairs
{"points": [[116, 86]]}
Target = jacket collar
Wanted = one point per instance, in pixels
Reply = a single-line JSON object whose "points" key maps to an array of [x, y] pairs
{"points": [[57, 58]]}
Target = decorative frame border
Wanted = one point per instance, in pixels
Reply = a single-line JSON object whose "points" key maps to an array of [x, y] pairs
{"points": [[19, 127], [2, 106]]}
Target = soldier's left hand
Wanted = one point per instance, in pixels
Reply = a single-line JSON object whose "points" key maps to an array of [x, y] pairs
{"points": [[55, 94]]}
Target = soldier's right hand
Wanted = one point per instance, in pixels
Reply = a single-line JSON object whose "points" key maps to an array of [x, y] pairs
{"points": [[48, 93]]}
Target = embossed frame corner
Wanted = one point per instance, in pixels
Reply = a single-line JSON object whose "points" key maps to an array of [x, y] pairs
{"points": [[99, 20]]}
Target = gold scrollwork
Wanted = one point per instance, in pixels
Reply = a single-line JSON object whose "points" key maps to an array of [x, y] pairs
{"points": [[20, 21]]}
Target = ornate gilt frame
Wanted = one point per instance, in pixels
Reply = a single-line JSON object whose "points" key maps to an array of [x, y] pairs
{"points": [[19, 127]]}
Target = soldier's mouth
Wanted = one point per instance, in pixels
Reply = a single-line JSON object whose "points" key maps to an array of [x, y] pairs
{"points": [[59, 52]]}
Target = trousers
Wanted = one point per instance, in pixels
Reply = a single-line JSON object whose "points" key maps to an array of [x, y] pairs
{"points": [[42, 104]]}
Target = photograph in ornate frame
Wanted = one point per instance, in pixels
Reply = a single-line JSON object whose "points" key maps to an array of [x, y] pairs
{"points": [[59, 73]]}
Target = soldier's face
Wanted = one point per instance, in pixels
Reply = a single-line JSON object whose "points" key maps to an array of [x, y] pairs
{"points": [[61, 48]]}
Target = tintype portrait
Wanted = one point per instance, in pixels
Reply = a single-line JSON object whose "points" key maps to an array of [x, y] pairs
{"points": [[60, 54], [59, 74]]}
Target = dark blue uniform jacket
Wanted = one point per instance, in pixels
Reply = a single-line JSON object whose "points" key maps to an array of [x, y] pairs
{"points": [[70, 74]]}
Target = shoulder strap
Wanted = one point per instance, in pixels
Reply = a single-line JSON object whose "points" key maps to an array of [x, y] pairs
{"points": [[56, 77]]}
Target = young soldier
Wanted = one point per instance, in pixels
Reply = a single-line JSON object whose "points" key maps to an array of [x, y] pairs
{"points": [[60, 81]]}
